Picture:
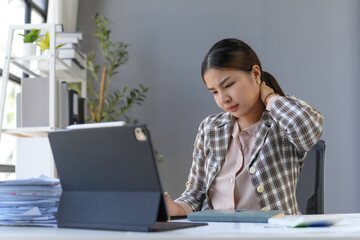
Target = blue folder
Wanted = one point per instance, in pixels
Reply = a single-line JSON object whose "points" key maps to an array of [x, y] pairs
{"points": [[243, 215]]}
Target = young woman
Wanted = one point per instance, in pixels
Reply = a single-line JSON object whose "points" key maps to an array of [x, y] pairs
{"points": [[250, 155]]}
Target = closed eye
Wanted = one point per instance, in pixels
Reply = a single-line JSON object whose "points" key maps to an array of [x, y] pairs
{"points": [[229, 85]]}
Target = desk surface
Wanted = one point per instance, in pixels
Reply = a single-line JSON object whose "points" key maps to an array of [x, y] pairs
{"points": [[347, 229]]}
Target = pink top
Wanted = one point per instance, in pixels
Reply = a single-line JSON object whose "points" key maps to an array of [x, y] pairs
{"points": [[232, 188]]}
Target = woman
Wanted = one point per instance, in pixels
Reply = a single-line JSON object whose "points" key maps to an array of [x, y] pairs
{"points": [[250, 156]]}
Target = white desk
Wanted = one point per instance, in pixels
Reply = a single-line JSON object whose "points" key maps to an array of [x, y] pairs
{"points": [[347, 229]]}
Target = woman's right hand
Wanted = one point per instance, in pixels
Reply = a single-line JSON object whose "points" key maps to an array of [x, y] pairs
{"points": [[173, 208], [265, 92]]}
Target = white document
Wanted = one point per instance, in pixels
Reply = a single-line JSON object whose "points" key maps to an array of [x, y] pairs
{"points": [[40, 181], [97, 125], [307, 220], [32, 201]]}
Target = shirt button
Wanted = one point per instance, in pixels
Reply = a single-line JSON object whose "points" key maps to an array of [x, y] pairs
{"points": [[266, 208], [252, 170], [231, 180], [260, 189]]}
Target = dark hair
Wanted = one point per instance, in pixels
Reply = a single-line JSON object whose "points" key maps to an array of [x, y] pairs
{"points": [[233, 53]]}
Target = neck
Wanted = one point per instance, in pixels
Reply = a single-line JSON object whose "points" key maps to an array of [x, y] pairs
{"points": [[253, 116]]}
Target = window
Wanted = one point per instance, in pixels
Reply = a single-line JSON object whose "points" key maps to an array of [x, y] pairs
{"points": [[15, 12]]}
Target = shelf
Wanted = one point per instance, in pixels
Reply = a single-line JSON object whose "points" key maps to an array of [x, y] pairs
{"points": [[65, 69], [30, 58], [41, 66], [37, 66], [33, 152], [28, 131]]}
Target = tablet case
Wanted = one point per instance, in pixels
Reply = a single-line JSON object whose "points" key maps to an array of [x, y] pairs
{"points": [[109, 179]]}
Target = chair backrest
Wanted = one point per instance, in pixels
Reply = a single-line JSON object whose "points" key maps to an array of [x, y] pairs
{"points": [[310, 188]]}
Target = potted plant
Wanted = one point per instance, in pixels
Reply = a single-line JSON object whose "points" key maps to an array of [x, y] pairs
{"points": [[107, 106], [44, 44], [29, 48]]}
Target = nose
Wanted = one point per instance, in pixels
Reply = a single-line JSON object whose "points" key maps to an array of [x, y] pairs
{"points": [[225, 98]]}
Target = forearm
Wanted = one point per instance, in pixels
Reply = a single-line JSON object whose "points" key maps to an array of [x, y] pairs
{"points": [[180, 210], [302, 123], [176, 210]]}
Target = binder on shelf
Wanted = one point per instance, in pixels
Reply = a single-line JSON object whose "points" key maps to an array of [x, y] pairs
{"points": [[63, 104], [33, 106], [34, 102], [81, 108], [73, 107], [18, 110]]}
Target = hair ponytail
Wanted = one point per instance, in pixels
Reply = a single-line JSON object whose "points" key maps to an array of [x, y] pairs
{"points": [[233, 53], [271, 82]]}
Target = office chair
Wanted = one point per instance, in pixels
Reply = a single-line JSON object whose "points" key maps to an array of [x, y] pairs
{"points": [[310, 188]]}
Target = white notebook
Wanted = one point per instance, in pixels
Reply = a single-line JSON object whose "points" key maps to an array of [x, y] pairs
{"points": [[97, 125]]}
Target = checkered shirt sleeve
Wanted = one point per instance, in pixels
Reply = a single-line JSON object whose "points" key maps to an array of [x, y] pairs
{"points": [[194, 195], [301, 122]]}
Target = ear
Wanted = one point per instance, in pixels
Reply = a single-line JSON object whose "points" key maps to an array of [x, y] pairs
{"points": [[256, 72]]}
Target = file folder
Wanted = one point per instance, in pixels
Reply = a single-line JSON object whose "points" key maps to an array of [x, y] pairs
{"points": [[241, 215]]}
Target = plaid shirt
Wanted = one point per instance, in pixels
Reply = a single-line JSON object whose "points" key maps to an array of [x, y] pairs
{"points": [[284, 136]]}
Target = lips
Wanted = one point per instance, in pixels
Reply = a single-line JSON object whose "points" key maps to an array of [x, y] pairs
{"points": [[233, 108]]}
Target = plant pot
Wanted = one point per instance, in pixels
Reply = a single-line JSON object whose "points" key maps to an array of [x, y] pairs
{"points": [[29, 49]]}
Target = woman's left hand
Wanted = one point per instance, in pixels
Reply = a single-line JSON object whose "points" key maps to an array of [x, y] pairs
{"points": [[265, 91]]}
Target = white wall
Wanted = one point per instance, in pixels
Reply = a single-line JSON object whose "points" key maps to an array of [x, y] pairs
{"points": [[311, 47]]}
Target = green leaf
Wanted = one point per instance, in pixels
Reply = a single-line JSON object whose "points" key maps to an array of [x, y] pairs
{"points": [[31, 36]]}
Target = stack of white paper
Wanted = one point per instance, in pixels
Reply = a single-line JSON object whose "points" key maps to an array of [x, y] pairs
{"points": [[31, 202]]}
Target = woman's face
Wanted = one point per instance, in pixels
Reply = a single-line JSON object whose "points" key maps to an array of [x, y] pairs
{"points": [[234, 91]]}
